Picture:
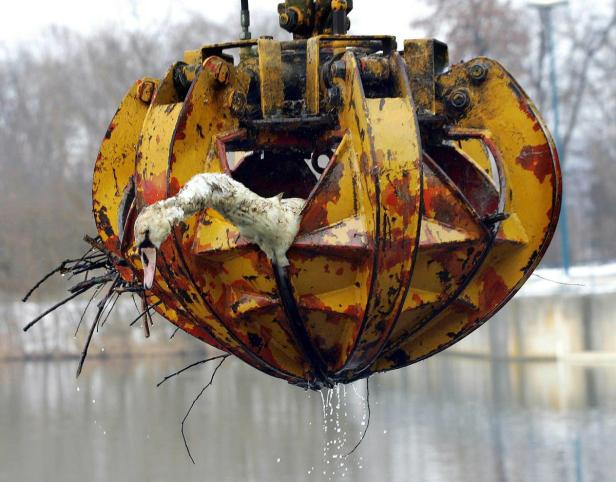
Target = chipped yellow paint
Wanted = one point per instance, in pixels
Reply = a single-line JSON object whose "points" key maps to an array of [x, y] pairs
{"points": [[270, 73], [398, 255], [502, 116], [115, 164]]}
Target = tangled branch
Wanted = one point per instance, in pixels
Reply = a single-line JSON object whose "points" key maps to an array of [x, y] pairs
{"points": [[99, 269]]}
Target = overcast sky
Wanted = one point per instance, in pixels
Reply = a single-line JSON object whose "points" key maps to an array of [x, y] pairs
{"points": [[21, 20]]}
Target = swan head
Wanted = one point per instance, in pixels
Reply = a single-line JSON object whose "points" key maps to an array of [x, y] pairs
{"points": [[152, 228]]}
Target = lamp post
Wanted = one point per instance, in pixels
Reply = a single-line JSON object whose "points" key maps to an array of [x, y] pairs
{"points": [[545, 8]]}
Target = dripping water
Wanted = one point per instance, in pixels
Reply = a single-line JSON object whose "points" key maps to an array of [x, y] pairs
{"points": [[345, 417]]}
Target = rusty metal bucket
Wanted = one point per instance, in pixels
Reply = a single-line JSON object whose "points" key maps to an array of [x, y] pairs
{"points": [[432, 194]]}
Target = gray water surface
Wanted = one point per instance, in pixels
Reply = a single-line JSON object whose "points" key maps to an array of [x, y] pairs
{"points": [[446, 419]]}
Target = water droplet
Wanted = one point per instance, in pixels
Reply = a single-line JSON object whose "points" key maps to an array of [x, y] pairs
{"points": [[278, 460], [93, 401], [384, 431], [77, 388]]}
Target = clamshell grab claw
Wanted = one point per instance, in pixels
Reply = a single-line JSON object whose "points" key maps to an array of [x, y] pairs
{"points": [[429, 194]]}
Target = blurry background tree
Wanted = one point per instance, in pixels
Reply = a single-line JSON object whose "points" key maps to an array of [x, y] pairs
{"points": [[58, 95]]}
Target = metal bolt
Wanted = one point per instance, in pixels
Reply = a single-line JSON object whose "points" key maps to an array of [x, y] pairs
{"points": [[237, 103], [288, 19], [478, 72], [219, 69], [338, 69], [146, 91], [223, 73], [459, 99]]}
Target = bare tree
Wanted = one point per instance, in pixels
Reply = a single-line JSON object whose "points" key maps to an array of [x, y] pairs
{"points": [[515, 36], [57, 100]]}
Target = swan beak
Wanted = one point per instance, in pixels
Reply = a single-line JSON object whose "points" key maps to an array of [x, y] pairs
{"points": [[148, 259]]}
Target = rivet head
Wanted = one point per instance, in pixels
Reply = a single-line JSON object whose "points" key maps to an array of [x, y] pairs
{"points": [[459, 99], [219, 68], [478, 72], [222, 73], [288, 19]]}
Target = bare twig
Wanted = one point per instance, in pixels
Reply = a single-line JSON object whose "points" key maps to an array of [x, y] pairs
{"points": [[590, 50], [89, 283], [110, 310], [146, 322], [367, 422], [130, 289], [84, 353], [101, 308], [175, 332], [63, 267], [96, 292], [557, 282], [195, 401], [55, 307], [143, 313], [191, 366], [43, 279]]}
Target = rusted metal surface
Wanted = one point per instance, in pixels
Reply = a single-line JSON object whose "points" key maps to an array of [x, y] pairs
{"points": [[425, 59], [432, 196], [306, 18]]}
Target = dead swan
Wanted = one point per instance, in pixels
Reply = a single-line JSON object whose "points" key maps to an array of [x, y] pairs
{"points": [[271, 223]]}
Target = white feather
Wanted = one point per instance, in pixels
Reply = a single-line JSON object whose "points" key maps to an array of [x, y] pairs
{"points": [[271, 223]]}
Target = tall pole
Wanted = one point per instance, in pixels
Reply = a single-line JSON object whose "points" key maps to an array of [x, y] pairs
{"points": [[545, 10], [245, 20]]}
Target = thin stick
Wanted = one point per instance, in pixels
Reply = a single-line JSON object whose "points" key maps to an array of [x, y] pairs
{"points": [[41, 281], [93, 281], [144, 312], [84, 353], [191, 366], [61, 268], [90, 266], [367, 422], [146, 322], [557, 282], [193, 404], [55, 307], [130, 289], [113, 303], [135, 302], [96, 292], [175, 332], [101, 308]]}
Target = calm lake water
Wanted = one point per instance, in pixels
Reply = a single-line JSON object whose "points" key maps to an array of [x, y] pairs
{"points": [[447, 419]]}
